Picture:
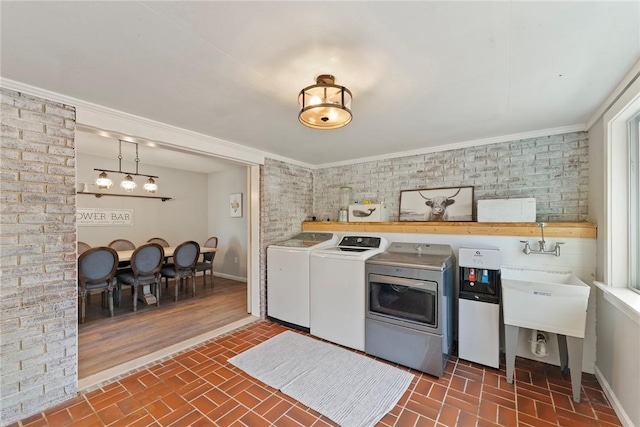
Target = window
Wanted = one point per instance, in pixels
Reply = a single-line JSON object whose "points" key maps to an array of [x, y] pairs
{"points": [[622, 190]]}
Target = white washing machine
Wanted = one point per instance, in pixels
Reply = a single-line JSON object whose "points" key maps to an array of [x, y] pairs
{"points": [[337, 281], [288, 277]]}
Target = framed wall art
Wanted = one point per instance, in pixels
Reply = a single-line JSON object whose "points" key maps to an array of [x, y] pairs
{"points": [[437, 204], [235, 205]]}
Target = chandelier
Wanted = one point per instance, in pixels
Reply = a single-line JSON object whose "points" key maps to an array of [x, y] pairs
{"points": [[127, 184], [325, 105]]}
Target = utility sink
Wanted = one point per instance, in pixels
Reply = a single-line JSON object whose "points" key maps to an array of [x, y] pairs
{"points": [[545, 300]]}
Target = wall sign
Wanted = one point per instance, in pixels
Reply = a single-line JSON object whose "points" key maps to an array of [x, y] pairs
{"points": [[235, 205], [102, 217]]}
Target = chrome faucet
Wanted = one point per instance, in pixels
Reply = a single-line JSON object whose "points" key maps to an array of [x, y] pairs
{"points": [[542, 245]]}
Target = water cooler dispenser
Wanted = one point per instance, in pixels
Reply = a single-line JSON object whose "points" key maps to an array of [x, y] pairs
{"points": [[479, 306]]}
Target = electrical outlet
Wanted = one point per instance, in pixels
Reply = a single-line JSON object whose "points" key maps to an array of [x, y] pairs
{"points": [[235, 259]]}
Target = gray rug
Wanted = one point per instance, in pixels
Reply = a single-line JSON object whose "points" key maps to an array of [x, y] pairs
{"points": [[350, 389]]}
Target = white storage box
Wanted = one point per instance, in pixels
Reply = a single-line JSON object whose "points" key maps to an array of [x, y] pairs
{"points": [[368, 213], [507, 210]]}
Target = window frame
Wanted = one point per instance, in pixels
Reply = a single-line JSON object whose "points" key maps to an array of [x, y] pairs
{"points": [[618, 127], [634, 202]]}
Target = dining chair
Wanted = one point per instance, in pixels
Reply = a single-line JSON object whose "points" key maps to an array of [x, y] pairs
{"points": [[83, 247], [160, 241], [146, 262], [96, 272], [183, 267], [122, 245], [207, 260]]}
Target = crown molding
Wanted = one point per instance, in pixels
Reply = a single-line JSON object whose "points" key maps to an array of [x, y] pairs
{"points": [[98, 119], [625, 83]]}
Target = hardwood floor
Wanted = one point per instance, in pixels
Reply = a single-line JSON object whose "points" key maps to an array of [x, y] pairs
{"points": [[105, 342]]}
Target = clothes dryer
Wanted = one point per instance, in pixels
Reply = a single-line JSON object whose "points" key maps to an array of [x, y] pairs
{"points": [[409, 309]]}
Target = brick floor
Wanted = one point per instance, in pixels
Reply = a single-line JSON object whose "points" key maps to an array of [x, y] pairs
{"points": [[199, 388]]}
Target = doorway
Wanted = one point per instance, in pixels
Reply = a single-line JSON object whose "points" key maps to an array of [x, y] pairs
{"points": [[232, 263]]}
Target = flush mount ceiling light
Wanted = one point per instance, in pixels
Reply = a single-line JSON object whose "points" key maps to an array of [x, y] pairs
{"points": [[325, 105], [128, 184]]}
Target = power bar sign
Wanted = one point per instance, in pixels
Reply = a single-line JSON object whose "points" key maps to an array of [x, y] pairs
{"points": [[102, 217]]}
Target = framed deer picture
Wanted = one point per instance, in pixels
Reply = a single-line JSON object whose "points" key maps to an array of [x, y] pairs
{"points": [[437, 204]]}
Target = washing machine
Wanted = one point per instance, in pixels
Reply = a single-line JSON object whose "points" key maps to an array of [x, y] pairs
{"points": [[337, 289], [288, 277]]}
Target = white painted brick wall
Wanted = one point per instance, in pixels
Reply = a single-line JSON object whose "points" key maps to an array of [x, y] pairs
{"points": [[286, 202], [38, 295], [553, 169]]}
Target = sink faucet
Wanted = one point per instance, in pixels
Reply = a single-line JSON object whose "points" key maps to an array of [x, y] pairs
{"points": [[542, 245]]}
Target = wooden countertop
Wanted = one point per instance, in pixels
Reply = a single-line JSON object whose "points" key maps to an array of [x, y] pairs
{"points": [[583, 230]]}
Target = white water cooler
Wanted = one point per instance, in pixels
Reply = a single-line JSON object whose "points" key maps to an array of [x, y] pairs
{"points": [[479, 306]]}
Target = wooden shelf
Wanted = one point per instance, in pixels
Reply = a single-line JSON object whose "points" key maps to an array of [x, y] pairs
{"points": [[583, 230], [98, 195]]}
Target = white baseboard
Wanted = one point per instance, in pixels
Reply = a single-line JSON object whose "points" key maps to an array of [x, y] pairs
{"points": [[229, 276], [615, 403]]}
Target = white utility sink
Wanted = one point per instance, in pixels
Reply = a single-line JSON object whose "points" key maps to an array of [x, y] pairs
{"points": [[545, 300]]}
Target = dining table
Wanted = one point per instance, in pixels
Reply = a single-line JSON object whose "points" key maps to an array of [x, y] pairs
{"points": [[146, 296]]}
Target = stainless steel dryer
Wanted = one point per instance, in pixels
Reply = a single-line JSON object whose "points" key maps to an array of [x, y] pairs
{"points": [[409, 305]]}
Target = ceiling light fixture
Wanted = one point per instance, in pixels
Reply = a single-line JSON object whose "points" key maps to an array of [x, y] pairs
{"points": [[325, 105], [150, 186], [128, 184], [103, 182]]}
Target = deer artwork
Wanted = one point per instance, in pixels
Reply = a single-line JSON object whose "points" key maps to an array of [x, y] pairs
{"points": [[439, 205]]}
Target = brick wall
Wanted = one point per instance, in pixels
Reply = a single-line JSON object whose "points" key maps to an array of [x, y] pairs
{"points": [[553, 169], [286, 202], [38, 296]]}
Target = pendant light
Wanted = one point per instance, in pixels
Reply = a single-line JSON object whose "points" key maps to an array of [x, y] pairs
{"points": [[103, 182], [150, 186], [325, 105], [128, 184]]}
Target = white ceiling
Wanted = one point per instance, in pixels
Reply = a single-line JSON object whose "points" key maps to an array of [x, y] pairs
{"points": [[105, 144], [423, 74]]}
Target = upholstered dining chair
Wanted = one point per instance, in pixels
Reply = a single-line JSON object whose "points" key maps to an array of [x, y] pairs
{"points": [[83, 247], [159, 240], [122, 245], [183, 267], [96, 273], [146, 262], [207, 260]]}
